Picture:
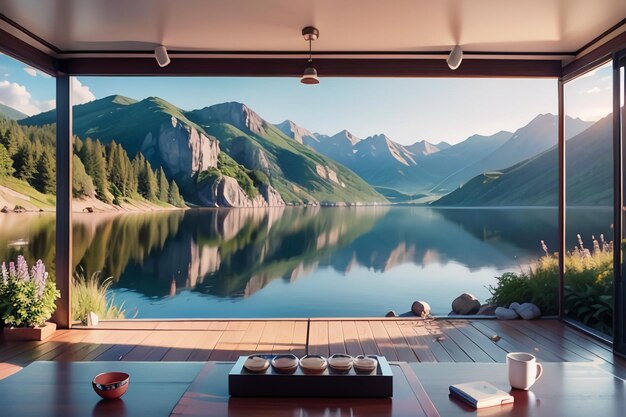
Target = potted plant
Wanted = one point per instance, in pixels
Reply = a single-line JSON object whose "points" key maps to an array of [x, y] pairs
{"points": [[27, 300]]}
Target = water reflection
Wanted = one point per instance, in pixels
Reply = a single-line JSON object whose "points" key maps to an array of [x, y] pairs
{"points": [[238, 254]]}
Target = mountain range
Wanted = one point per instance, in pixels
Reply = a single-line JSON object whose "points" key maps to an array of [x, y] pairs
{"points": [[534, 182], [228, 155], [428, 168], [223, 155]]}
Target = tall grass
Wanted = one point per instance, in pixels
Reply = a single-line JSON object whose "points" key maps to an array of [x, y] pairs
{"points": [[588, 284], [89, 294]]}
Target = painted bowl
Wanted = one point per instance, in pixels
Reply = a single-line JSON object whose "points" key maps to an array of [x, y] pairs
{"points": [[285, 363], [340, 362], [256, 363], [365, 364], [313, 364], [111, 385]]}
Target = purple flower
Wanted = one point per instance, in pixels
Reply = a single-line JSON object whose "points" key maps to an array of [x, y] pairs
{"points": [[5, 273], [22, 269], [39, 275]]}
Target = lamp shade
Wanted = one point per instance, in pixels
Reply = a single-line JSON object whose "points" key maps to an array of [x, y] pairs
{"points": [[309, 76], [160, 53], [455, 57]]}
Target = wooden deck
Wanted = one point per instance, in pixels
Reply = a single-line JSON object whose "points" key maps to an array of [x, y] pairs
{"points": [[411, 340]]}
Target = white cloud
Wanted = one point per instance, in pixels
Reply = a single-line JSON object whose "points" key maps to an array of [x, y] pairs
{"points": [[34, 72], [593, 90], [81, 94], [17, 96]]}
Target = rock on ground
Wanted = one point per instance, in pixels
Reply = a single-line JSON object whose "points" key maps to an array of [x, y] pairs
{"points": [[528, 311], [503, 313], [420, 308], [465, 304], [487, 310]]}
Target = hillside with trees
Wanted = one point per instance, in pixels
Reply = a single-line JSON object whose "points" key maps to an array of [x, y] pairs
{"points": [[101, 172]]}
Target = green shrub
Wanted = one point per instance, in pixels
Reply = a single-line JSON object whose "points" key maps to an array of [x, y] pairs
{"points": [[588, 286], [27, 298], [89, 294], [539, 287]]}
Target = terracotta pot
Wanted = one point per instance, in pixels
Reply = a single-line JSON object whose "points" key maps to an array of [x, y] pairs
{"points": [[29, 333]]}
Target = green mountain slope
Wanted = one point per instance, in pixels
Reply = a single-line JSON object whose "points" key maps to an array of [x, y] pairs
{"points": [[185, 145], [11, 113], [298, 172], [534, 182]]}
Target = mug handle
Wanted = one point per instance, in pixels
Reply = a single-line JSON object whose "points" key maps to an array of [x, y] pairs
{"points": [[539, 371]]}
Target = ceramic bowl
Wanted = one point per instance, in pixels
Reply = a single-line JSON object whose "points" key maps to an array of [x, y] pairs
{"points": [[313, 364], [340, 362], [285, 363], [256, 363], [365, 364], [111, 385]]}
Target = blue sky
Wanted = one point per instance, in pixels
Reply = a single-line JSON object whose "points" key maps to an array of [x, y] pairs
{"points": [[405, 109]]}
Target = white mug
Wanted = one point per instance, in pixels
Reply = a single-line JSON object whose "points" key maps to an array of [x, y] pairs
{"points": [[524, 370]]}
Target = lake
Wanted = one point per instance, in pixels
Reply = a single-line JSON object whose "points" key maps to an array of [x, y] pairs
{"points": [[300, 261]]}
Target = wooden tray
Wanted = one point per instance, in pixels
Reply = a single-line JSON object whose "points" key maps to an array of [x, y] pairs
{"points": [[242, 383]]}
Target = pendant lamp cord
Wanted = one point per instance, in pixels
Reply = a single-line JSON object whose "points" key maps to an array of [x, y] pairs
{"points": [[310, 59]]}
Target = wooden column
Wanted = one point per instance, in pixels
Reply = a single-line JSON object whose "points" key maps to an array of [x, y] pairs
{"points": [[63, 314], [562, 199]]}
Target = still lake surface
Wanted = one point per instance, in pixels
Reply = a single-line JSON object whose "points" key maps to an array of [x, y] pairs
{"points": [[300, 261]]}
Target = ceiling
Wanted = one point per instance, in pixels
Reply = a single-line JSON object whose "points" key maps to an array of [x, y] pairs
{"points": [[401, 26]]}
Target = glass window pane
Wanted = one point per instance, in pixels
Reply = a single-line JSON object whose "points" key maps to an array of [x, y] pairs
{"points": [[27, 167], [589, 180], [381, 192]]}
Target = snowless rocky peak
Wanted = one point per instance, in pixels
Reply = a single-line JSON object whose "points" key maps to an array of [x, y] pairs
{"points": [[297, 133], [423, 148], [380, 145], [234, 113]]}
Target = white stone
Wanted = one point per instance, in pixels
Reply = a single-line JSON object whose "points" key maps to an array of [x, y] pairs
{"points": [[503, 313], [514, 306], [92, 319], [529, 311], [420, 308]]}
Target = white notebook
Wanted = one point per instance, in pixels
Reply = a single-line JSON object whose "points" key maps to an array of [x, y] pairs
{"points": [[480, 394]]}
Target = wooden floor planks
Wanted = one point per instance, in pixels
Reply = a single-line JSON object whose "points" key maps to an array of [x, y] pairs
{"points": [[411, 340]]}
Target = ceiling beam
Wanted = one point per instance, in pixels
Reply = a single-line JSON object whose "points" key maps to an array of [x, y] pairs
{"points": [[594, 58], [22, 51], [330, 67]]}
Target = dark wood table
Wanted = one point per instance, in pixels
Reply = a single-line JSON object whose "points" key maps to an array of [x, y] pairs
{"points": [[44, 389], [201, 389], [565, 389]]}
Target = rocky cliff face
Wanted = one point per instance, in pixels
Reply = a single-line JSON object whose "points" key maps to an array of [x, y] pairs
{"points": [[236, 114], [246, 153], [226, 192], [183, 150]]}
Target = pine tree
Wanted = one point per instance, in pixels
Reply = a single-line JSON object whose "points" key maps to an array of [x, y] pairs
{"points": [[116, 168], [163, 194], [147, 181], [25, 163], [174, 195], [45, 179], [92, 156], [82, 184], [6, 163]]}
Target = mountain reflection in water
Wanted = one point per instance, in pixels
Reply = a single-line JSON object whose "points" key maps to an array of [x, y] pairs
{"points": [[299, 261]]}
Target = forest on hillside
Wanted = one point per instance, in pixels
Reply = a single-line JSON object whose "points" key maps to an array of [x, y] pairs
{"points": [[105, 172]]}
